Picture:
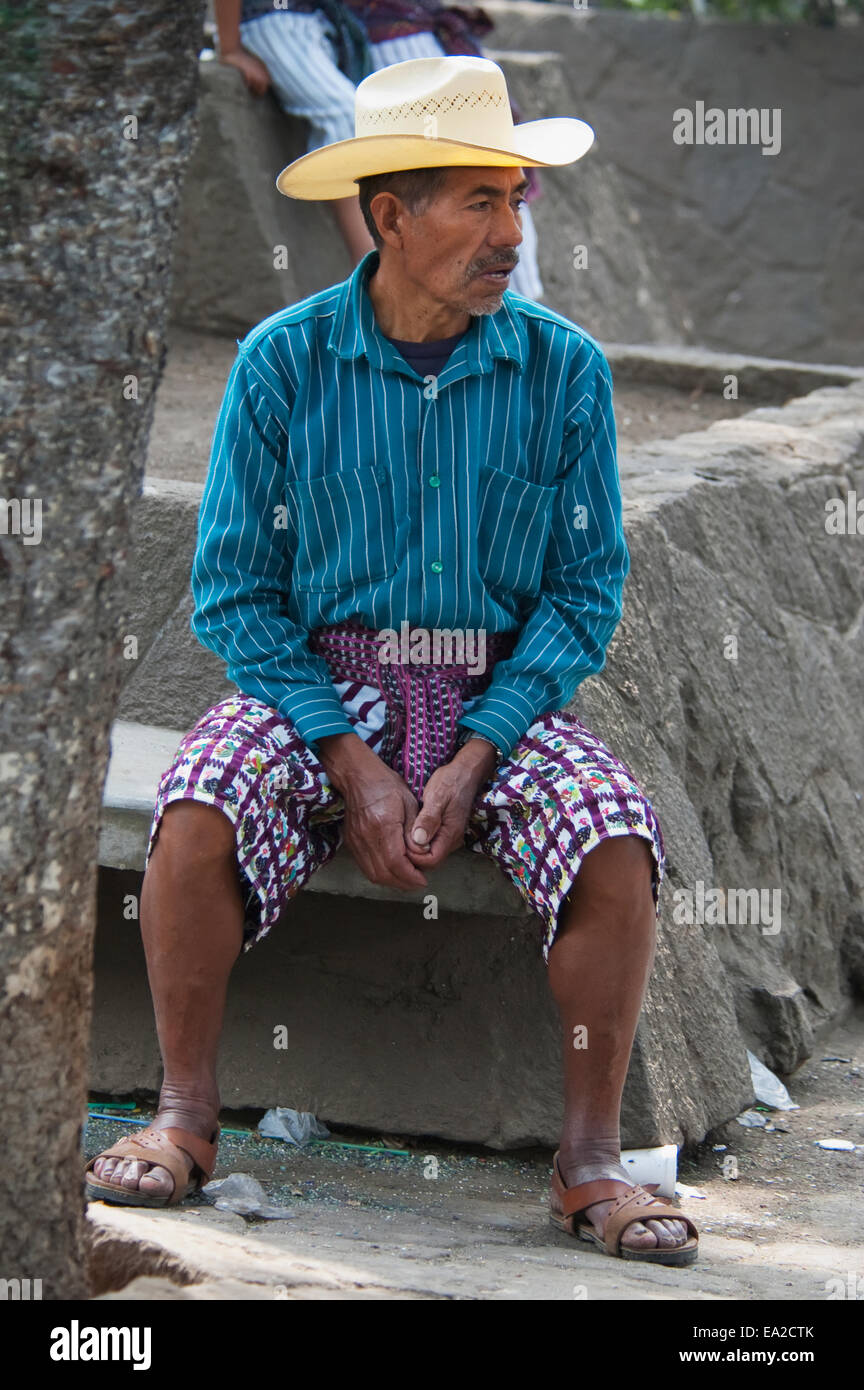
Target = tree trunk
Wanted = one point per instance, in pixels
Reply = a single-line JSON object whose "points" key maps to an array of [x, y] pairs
{"points": [[97, 113]]}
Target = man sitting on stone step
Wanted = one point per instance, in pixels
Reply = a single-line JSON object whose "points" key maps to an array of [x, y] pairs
{"points": [[415, 445]]}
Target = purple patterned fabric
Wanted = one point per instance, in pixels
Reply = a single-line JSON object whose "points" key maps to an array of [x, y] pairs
{"points": [[424, 700], [454, 26]]}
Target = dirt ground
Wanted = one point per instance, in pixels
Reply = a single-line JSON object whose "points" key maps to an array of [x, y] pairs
{"points": [[442, 1221], [197, 368]]}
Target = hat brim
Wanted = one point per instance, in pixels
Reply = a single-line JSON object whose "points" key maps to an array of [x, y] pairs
{"points": [[332, 171]]}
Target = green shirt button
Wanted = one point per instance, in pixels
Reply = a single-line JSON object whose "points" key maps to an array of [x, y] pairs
{"points": [[436, 566], [434, 481]]}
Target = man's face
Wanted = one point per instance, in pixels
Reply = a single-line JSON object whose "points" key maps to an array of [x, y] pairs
{"points": [[458, 248]]}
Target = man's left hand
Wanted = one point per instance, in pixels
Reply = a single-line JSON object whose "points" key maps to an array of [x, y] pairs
{"points": [[448, 798]]}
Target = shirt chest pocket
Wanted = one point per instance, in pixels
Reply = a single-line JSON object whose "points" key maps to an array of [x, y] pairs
{"points": [[344, 523], [513, 530]]}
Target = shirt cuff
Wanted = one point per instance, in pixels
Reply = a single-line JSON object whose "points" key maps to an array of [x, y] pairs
{"points": [[502, 715], [316, 711]]}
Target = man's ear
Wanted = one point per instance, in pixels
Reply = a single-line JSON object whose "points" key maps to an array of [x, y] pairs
{"points": [[389, 213]]}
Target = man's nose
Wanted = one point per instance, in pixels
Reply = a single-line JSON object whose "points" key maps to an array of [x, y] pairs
{"points": [[506, 230]]}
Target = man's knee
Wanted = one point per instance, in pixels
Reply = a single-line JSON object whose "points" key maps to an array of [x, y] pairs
{"points": [[616, 875], [193, 831]]}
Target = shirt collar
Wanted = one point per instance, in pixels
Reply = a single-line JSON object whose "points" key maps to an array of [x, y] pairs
{"points": [[355, 330]]}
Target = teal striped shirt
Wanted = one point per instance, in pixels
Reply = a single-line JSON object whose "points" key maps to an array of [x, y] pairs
{"points": [[344, 485]]}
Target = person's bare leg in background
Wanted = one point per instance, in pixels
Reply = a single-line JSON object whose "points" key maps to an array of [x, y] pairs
{"points": [[355, 233]]}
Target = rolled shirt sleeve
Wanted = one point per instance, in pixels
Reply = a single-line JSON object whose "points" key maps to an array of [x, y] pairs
{"points": [[565, 636], [241, 572]]}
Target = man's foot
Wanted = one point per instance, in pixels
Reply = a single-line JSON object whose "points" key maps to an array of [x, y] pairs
{"points": [[657, 1234], [136, 1175]]}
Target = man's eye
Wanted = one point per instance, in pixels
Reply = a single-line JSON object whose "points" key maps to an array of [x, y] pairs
{"points": [[520, 203]]}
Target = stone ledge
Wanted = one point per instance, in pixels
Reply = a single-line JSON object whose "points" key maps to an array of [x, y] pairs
{"points": [[766, 379], [467, 882]]}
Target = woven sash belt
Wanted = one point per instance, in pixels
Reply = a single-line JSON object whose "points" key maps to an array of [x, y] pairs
{"points": [[424, 700]]}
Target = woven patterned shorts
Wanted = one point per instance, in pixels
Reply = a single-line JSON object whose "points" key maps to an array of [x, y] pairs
{"points": [[558, 794]]}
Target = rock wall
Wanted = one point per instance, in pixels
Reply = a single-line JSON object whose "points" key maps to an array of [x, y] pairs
{"points": [[764, 752], [748, 252], [88, 215], [733, 689]]}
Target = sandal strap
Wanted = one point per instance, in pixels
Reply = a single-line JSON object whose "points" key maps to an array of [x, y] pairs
{"points": [[156, 1146], [639, 1205], [574, 1200], [147, 1148], [203, 1152]]}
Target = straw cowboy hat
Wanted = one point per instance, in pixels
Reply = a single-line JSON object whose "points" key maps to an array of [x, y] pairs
{"points": [[430, 112]]}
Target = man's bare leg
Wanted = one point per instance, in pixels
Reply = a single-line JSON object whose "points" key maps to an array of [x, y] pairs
{"points": [[192, 927], [351, 224], [599, 966]]}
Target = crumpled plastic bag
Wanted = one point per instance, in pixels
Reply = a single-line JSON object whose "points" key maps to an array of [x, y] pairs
{"points": [[244, 1194], [768, 1089], [751, 1119], [294, 1126]]}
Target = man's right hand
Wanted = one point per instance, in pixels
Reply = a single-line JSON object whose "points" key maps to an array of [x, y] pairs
{"points": [[379, 810], [253, 71]]}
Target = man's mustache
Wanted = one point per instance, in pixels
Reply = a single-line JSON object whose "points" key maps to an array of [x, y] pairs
{"points": [[509, 264]]}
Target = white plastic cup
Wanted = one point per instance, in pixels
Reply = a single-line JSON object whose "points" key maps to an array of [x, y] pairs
{"points": [[653, 1165]]}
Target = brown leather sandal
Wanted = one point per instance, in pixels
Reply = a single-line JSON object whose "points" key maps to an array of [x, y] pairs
{"points": [[632, 1202], [158, 1147]]}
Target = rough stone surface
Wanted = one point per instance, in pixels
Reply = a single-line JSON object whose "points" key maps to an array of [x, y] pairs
{"points": [[755, 767], [764, 753], [96, 108], [231, 1265], [233, 215], [757, 380], [717, 245], [116, 1256], [749, 252], [394, 1022]]}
